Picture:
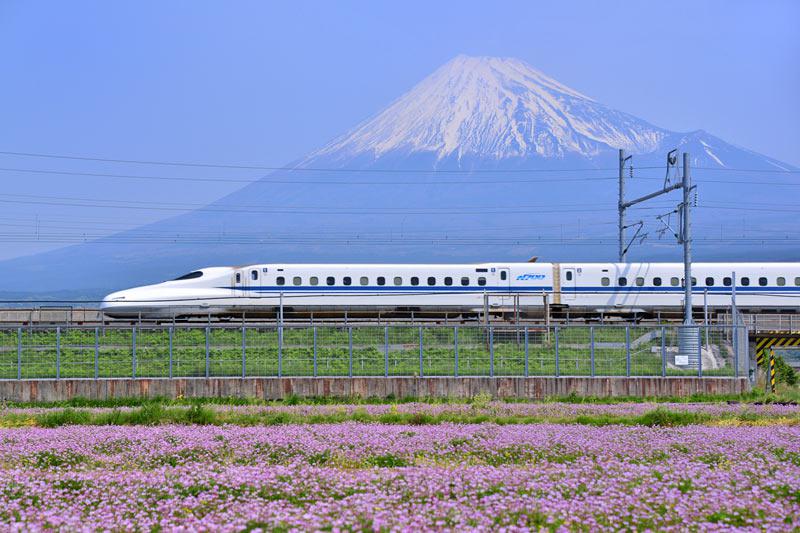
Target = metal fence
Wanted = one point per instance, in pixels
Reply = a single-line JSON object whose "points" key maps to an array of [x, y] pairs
{"points": [[167, 352]]}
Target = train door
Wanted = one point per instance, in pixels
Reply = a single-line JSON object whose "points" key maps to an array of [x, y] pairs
{"points": [[238, 281], [504, 278], [569, 283]]}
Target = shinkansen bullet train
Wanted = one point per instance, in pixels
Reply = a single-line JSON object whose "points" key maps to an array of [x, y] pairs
{"points": [[263, 289]]}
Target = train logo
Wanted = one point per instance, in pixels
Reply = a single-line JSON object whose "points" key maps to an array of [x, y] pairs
{"points": [[530, 277]]}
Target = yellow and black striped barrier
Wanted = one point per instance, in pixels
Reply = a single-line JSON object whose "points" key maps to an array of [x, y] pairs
{"points": [[772, 370], [771, 340]]}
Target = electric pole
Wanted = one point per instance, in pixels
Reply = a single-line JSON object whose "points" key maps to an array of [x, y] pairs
{"points": [[622, 255], [686, 237]]}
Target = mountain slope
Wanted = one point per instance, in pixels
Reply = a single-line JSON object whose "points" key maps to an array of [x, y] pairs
{"points": [[551, 153]]}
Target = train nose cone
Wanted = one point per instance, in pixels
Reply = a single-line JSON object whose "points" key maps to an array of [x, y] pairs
{"points": [[114, 300]]}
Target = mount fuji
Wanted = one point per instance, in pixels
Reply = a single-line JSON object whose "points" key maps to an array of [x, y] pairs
{"points": [[485, 159]]}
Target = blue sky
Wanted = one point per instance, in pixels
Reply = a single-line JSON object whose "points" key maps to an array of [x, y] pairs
{"points": [[265, 82]]}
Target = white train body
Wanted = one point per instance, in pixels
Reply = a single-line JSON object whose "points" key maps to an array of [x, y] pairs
{"points": [[593, 287]]}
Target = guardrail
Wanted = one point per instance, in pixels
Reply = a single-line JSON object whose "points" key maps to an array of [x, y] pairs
{"points": [[425, 351]]}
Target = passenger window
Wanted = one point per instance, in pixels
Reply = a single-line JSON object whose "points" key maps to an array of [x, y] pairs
{"points": [[431, 280], [622, 281], [605, 282], [745, 281], [797, 282], [569, 275], [364, 280], [448, 281], [726, 281], [313, 280], [398, 280], [674, 282], [781, 281], [503, 275], [238, 277], [381, 280], [709, 282], [297, 280], [415, 280], [280, 280], [330, 280], [640, 282], [694, 281], [465, 281], [656, 282], [254, 275], [762, 282], [481, 281], [346, 280]]}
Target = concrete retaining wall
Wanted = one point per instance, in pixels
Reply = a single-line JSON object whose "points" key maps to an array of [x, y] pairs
{"points": [[534, 388]]}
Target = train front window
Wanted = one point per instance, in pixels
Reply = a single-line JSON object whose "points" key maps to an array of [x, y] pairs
{"points": [[192, 275]]}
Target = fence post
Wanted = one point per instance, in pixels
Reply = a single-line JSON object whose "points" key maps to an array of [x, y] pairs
{"points": [[591, 348], [700, 353], [96, 353], [19, 353], [491, 351], [244, 352], [526, 352], [558, 370], [315, 350], [208, 354], [627, 351], [280, 347], [421, 369], [386, 351], [133, 353], [171, 358], [735, 351], [58, 352], [455, 348], [350, 344], [663, 352]]}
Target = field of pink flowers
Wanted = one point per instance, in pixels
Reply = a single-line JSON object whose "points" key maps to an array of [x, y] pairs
{"points": [[356, 476]]}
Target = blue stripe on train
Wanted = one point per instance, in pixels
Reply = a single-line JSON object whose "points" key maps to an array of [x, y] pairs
{"points": [[457, 289]]}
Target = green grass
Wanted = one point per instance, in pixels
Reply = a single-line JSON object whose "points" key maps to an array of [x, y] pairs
{"points": [[75, 356]]}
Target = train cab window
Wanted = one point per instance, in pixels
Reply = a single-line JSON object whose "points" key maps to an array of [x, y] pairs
{"points": [[297, 280], [381, 281], [190, 275], [398, 280], [656, 282], [762, 282], [280, 280], [254, 275], [364, 280], [414, 280], [727, 281], [674, 282], [313, 280], [347, 280], [605, 282], [330, 280], [709, 282], [622, 281], [640, 282], [448, 281], [481, 281], [781, 281], [431, 281], [238, 277], [568, 275], [745, 281], [504, 275], [465, 281]]}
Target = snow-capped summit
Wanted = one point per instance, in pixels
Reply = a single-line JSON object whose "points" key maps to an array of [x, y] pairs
{"points": [[493, 108]]}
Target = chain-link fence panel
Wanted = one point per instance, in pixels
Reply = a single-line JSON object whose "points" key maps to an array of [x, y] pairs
{"points": [[475, 351], [115, 353], [77, 353], [610, 352], [575, 351], [439, 351], [509, 351], [261, 352], [225, 352], [404, 351], [333, 351], [297, 352], [153, 352], [9, 353]]}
